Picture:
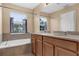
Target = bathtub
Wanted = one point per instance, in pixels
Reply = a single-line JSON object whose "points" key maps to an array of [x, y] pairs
{"points": [[14, 43]]}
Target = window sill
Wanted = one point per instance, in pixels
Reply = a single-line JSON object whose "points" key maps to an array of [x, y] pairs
{"points": [[17, 33]]}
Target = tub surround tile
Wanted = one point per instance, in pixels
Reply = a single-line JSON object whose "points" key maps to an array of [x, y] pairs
{"points": [[9, 36]]}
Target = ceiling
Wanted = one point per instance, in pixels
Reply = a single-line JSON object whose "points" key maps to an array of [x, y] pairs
{"points": [[27, 5], [52, 7], [55, 7]]}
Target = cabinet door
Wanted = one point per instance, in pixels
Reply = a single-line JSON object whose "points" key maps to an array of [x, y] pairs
{"points": [[63, 52], [47, 49], [78, 49], [1, 52], [38, 47], [33, 45]]}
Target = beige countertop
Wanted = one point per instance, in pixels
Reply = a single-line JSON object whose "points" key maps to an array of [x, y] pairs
{"points": [[66, 37]]}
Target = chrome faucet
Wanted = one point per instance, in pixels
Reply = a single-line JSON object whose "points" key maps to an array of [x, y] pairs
{"points": [[6, 42], [66, 33]]}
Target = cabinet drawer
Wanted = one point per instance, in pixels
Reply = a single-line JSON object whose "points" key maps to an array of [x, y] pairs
{"points": [[66, 44], [33, 36], [38, 37], [48, 39]]}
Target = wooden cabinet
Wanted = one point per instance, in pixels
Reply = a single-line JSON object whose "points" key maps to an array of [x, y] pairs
{"points": [[33, 44], [63, 52], [78, 49], [38, 47], [65, 47], [48, 49], [49, 40], [70, 45], [1, 52], [54, 46]]}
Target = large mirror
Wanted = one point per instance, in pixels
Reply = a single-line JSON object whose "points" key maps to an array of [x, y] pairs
{"points": [[68, 21]]}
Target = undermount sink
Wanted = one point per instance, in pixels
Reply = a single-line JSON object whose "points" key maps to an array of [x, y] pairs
{"points": [[76, 36], [66, 35], [60, 34]]}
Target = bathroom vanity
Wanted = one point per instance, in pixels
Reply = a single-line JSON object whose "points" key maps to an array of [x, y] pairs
{"points": [[44, 44]]}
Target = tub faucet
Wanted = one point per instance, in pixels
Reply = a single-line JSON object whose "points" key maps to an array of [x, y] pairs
{"points": [[66, 33], [6, 42]]}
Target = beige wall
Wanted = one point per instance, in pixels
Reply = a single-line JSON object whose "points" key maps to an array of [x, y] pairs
{"points": [[56, 15], [48, 24], [37, 18], [36, 23], [29, 22], [0, 20], [32, 21], [0, 3], [54, 24], [21, 9], [7, 8], [37, 15], [6, 20], [77, 19], [6, 23], [0, 24]]}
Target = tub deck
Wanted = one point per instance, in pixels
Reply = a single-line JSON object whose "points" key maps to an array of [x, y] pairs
{"points": [[21, 47], [13, 43]]}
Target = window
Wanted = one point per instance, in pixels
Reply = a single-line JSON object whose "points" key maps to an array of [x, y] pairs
{"points": [[18, 23], [67, 22], [43, 24]]}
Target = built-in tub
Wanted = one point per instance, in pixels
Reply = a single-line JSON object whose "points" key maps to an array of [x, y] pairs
{"points": [[19, 47], [14, 43]]}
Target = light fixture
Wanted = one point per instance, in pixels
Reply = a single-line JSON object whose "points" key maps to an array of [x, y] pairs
{"points": [[46, 4]]}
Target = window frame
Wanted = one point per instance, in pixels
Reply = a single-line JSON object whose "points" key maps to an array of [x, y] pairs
{"points": [[24, 23], [44, 21]]}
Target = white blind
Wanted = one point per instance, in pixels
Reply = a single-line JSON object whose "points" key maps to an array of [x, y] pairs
{"points": [[67, 22]]}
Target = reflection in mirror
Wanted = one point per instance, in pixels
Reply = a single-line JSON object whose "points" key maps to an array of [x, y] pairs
{"points": [[67, 21], [67, 24], [43, 24]]}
